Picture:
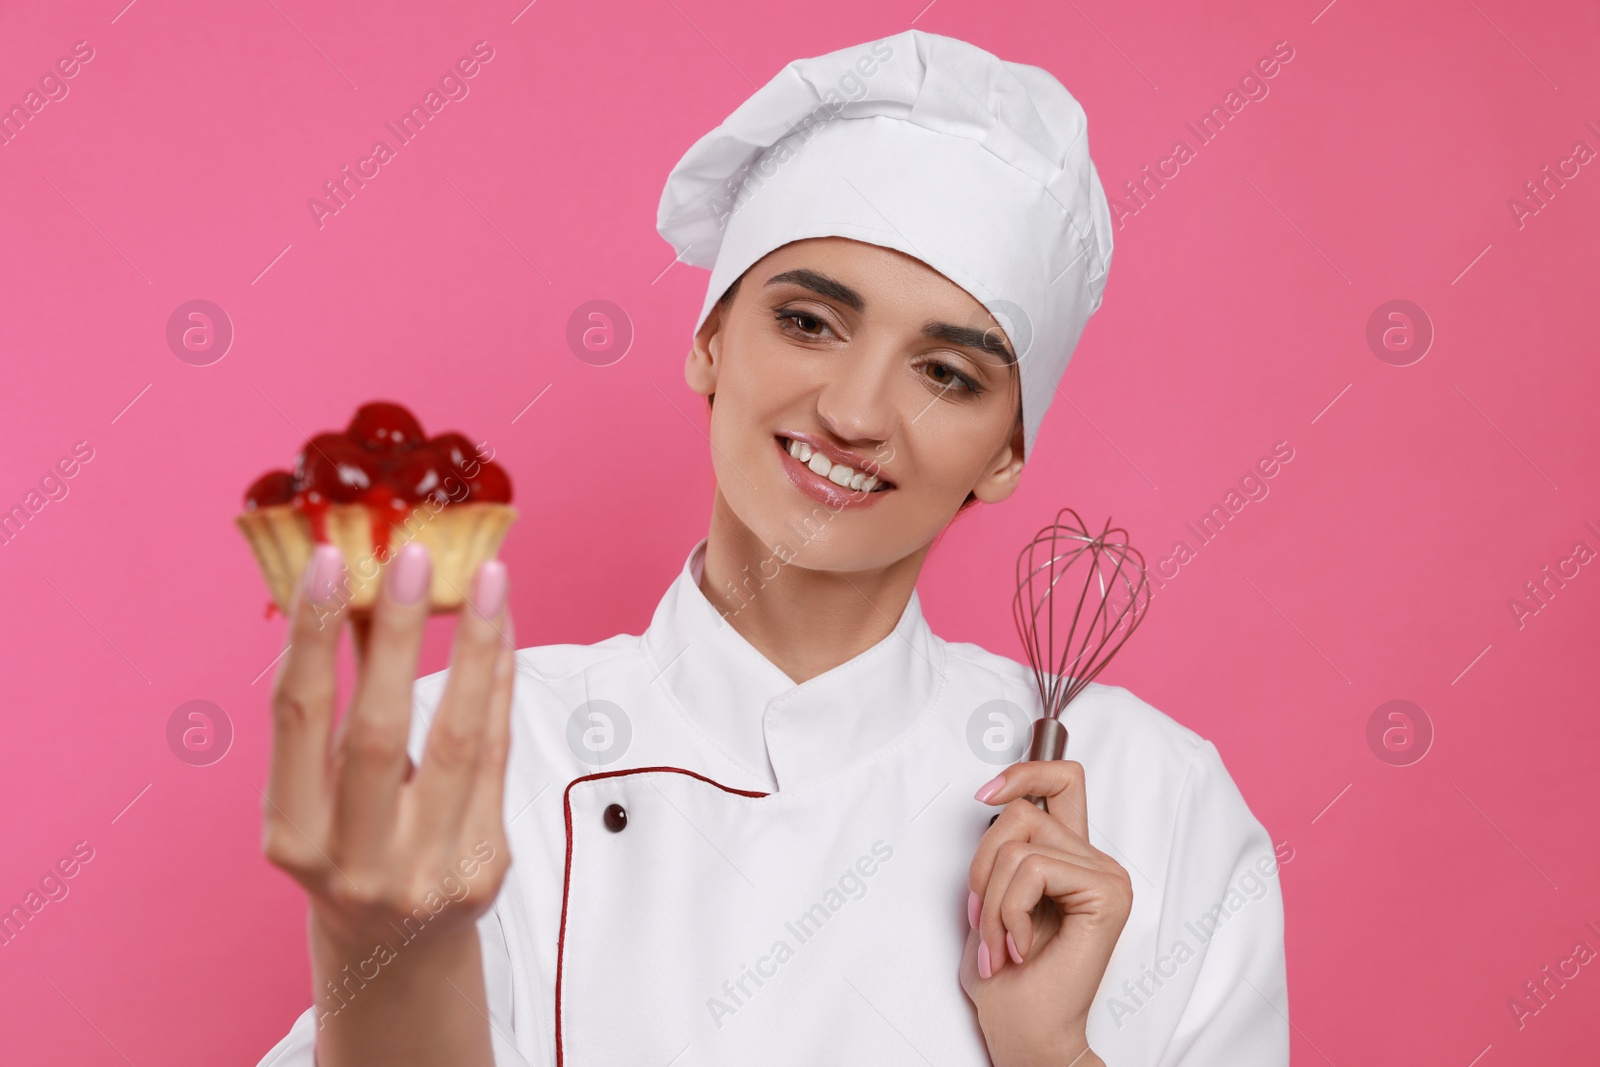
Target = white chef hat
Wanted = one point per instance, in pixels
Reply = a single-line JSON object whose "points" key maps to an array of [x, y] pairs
{"points": [[922, 143]]}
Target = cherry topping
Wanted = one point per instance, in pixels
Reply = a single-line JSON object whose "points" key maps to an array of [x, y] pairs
{"points": [[456, 448], [336, 467], [381, 425], [384, 462], [417, 473], [273, 487], [491, 485]]}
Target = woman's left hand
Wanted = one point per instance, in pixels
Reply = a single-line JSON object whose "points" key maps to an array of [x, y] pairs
{"points": [[1047, 908]]}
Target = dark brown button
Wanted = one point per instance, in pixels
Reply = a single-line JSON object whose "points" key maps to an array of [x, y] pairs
{"points": [[616, 818]]}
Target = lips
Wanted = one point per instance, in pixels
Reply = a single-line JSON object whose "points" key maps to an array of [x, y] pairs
{"points": [[855, 481]]}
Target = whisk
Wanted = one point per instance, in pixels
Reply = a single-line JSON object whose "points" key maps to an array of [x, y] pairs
{"points": [[1079, 598]]}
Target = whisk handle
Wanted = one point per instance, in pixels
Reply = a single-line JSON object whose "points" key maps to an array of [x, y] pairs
{"points": [[1049, 741]]}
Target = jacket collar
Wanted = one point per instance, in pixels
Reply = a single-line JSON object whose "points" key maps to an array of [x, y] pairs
{"points": [[785, 734]]}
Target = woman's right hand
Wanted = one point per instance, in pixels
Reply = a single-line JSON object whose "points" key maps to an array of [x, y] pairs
{"points": [[398, 862]]}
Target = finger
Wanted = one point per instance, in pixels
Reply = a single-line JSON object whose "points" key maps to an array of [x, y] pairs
{"points": [[449, 761], [485, 817], [1077, 889], [1060, 782], [304, 699], [371, 752], [968, 969], [992, 924], [1021, 821]]}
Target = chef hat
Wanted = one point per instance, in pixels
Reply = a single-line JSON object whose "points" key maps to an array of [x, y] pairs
{"points": [[922, 143]]}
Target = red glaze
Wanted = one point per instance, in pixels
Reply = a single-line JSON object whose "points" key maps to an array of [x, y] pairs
{"points": [[273, 487], [387, 508], [383, 462], [314, 506], [381, 425]]}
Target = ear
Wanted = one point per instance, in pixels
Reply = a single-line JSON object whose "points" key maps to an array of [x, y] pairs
{"points": [[700, 369], [1004, 473]]}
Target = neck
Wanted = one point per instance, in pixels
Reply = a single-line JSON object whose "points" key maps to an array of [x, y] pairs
{"points": [[805, 621]]}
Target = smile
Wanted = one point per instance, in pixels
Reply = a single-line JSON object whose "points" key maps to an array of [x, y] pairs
{"points": [[836, 484], [837, 473]]}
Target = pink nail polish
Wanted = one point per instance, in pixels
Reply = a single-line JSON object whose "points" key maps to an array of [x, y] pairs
{"points": [[974, 908], [323, 572], [408, 576], [990, 788], [983, 960], [1011, 949], [489, 589]]}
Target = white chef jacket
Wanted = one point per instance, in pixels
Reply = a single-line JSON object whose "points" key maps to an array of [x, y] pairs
{"points": [[789, 883]]}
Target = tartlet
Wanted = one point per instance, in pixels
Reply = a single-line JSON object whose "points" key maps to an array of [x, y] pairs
{"points": [[370, 489]]}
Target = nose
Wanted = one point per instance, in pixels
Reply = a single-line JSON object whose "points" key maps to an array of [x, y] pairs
{"points": [[857, 402]]}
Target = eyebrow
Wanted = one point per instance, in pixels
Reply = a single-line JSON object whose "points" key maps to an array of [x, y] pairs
{"points": [[990, 340]]}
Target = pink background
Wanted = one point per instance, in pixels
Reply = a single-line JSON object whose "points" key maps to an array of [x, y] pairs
{"points": [[1420, 498]]}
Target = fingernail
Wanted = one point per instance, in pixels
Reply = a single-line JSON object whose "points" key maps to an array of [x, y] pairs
{"points": [[489, 589], [974, 907], [409, 574], [983, 960], [322, 573], [1011, 948], [991, 787]]}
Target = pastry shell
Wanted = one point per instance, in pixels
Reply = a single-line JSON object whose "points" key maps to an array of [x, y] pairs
{"points": [[459, 538]]}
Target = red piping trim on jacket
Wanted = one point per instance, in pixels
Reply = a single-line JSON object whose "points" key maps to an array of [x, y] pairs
{"points": [[566, 877]]}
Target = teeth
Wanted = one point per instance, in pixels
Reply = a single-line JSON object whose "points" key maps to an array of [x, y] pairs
{"points": [[837, 473]]}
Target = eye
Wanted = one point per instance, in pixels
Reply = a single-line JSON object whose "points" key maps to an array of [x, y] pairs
{"points": [[948, 379], [803, 324]]}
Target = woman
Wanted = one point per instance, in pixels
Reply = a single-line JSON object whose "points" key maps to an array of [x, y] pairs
{"points": [[764, 831]]}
